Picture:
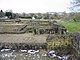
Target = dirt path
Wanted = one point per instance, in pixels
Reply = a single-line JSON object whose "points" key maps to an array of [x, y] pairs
{"points": [[23, 38]]}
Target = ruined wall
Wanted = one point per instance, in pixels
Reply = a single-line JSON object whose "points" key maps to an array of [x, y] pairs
{"points": [[17, 46], [55, 37], [76, 41]]}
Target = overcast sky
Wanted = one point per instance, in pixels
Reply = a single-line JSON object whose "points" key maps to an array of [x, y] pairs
{"points": [[34, 6]]}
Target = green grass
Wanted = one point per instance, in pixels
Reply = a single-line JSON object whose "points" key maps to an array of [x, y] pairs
{"points": [[71, 26]]}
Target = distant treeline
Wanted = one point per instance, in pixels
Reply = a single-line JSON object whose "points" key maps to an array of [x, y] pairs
{"points": [[27, 17], [49, 15]]}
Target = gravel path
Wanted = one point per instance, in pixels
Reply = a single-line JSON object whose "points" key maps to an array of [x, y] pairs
{"points": [[23, 38]]}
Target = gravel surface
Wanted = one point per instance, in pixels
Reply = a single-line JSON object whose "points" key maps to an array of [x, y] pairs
{"points": [[23, 38]]}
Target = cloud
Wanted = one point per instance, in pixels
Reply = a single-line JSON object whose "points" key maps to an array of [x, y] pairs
{"points": [[34, 5]]}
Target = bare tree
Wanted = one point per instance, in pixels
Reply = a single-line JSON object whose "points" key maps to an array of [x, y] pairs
{"points": [[75, 5]]}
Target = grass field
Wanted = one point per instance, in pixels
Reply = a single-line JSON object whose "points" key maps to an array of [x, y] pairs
{"points": [[71, 26]]}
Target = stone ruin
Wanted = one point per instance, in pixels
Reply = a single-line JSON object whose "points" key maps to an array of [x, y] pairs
{"points": [[37, 27], [76, 41], [23, 46], [55, 37], [55, 29]]}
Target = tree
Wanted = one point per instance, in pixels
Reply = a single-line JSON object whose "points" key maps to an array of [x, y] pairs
{"points": [[15, 15], [75, 5], [38, 16], [2, 14], [23, 14], [46, 15], [8, 14], [55, 15]]}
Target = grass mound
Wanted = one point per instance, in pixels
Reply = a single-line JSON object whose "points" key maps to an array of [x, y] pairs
{"points": [[71, 26]]}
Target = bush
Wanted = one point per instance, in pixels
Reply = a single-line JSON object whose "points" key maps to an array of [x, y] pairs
{"points": [[29, 17]]}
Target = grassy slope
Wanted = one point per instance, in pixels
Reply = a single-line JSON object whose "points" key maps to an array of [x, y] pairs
{"points": [[72, 26]]}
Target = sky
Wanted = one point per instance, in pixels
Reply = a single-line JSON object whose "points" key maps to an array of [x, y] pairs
{"points": [[35, 6]]}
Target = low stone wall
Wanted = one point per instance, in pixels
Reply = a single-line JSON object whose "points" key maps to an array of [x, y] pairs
{"points": [[18, 46], [55, 37], [12, 32]]}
